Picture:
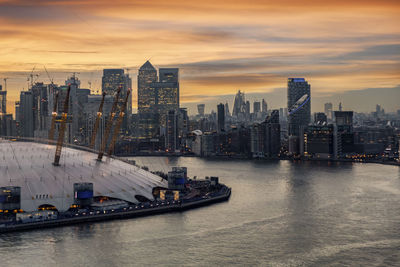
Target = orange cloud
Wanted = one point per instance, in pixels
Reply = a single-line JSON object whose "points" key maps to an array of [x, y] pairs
{"points": [[219, 46]]}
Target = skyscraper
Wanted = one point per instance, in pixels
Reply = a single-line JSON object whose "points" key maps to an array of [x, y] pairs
{"points": [[167, 93], [26, 114], [111, 81], [328, 111], [3, 101], [299, 105], [221, 117], [272, 143], [227, 110], [146, 93], [264, 107], [256, 106], [156, 97], [239, 105], [147, 100], [200, 109], [171, 136]]}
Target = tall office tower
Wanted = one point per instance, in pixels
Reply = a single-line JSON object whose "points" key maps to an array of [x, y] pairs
{"points": [[340, 106], [26, 114], [148, 120], [247, 108], [167, 93], [328, 111], [221, 118], [200, 109], [171, 136], [227, 110], [299, 105], [112, 80], [378, 110], [320, 118], [3, 101], [183, 122], [146, 93], [264, 108], [272, 141], [256, 107], [239, 105]]}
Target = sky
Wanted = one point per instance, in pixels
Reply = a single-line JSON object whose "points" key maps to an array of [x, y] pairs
{"points": [[349, 51]]}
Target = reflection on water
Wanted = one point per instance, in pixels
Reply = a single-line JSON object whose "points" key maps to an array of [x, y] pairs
{"points": [[280, 213]]}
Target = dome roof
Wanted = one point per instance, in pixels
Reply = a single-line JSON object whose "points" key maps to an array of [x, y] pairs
{"points": [[29, 166]]}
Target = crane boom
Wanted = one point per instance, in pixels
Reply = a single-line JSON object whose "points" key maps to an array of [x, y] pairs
{"points": [[118, 125], [96, 124], [108, 126], [53, 119], [62, 129]]}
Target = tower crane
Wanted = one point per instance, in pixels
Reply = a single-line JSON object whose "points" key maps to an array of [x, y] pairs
{"points": [[62, 129], [53, 119], [96, 124], [109, 125], [5, 83], [118, 125]]}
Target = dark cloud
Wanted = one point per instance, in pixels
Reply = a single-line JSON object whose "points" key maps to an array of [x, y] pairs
{"points": [[389, 51]]}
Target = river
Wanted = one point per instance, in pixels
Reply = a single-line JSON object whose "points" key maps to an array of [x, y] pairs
{"points": [[280, 214]]}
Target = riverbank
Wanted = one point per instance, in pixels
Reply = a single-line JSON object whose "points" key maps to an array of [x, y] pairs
{"points": [[139, 210]]}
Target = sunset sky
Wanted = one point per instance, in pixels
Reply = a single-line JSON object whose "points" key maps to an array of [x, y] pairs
{"points": [[348, 50]]}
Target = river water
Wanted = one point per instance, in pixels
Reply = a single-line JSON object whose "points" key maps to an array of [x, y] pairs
{"points": [[280, 214]]}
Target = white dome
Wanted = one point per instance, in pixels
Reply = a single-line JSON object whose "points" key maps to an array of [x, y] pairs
{"points": [[29, 166]]}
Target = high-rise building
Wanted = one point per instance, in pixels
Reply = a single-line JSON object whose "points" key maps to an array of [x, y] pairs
{"points": [[343, 133], [264, 108], [299, 105], [171, 136], [167, 93], [247, 108], [299, 111], [26, 114], [112, 80], [147, 119], [3, 101], [227, 110], [256, 106], [272, 144], [200, 109], [328, 111], [221, 117], [156, 97], [146, 93], [239, 105], [344, 118]]}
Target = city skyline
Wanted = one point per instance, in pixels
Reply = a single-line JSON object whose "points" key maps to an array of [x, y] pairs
{"points": [[343, 49]]}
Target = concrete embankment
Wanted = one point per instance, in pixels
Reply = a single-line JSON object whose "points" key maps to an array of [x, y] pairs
{"points": [[177, 207]]}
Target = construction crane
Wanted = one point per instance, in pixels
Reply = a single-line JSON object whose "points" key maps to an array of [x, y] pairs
{"points": [[61, 132], [53, 119], [5, 83], [118, 125], [109, 125], [48, 75], [96, 124]]}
